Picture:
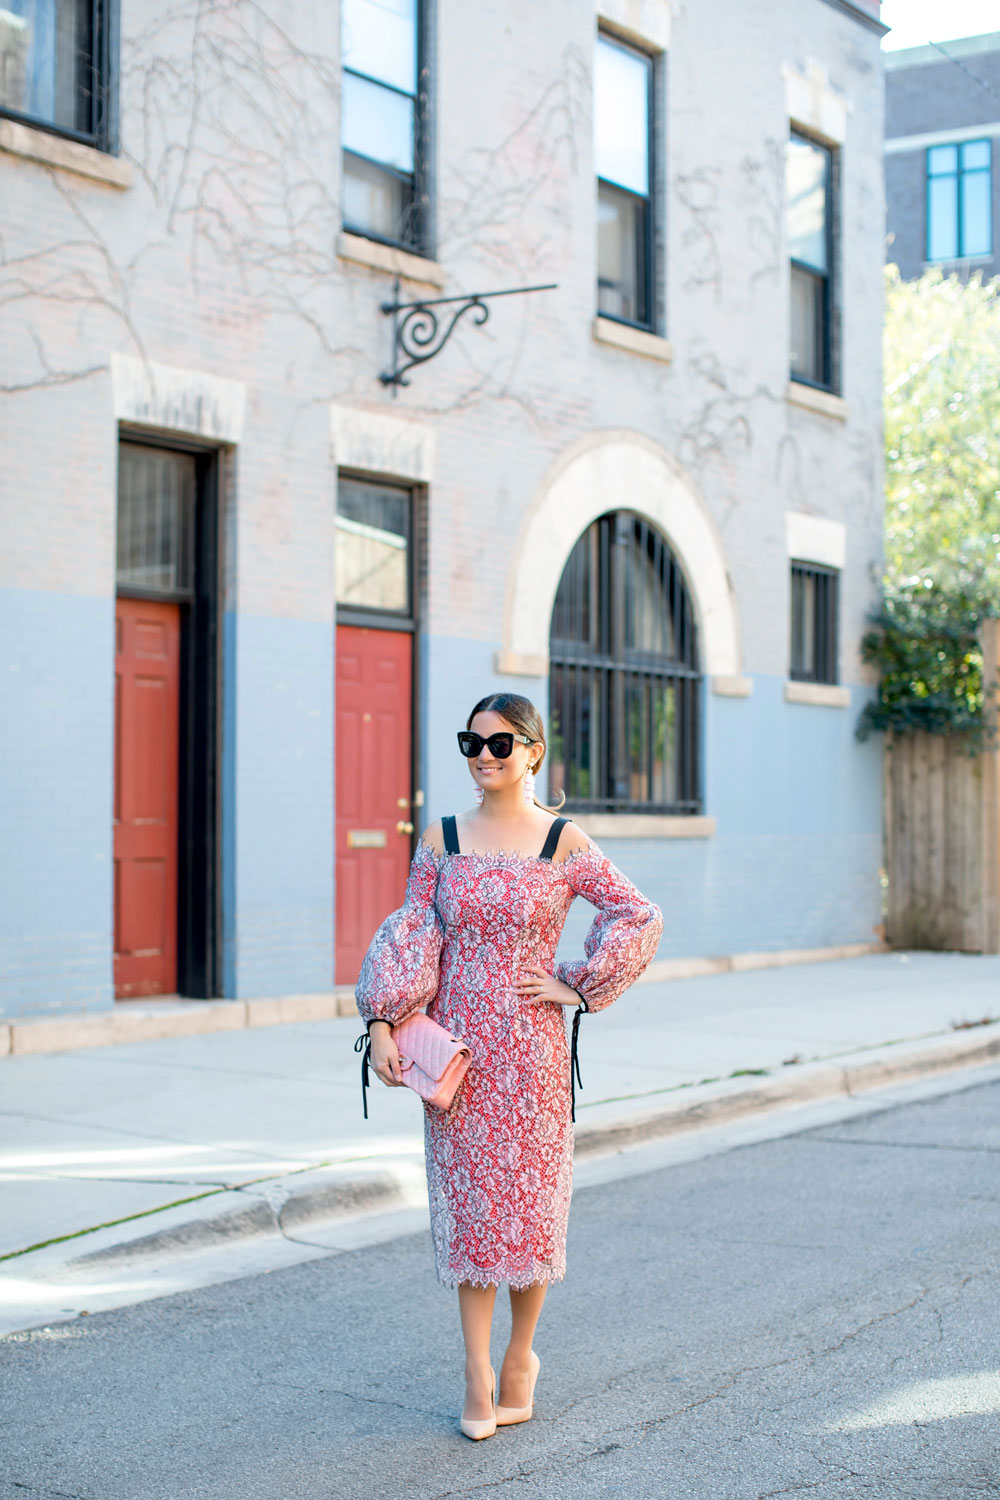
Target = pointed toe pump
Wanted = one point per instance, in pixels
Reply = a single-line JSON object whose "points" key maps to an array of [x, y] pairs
{"points": [[486, 1426], [507, 1416]]}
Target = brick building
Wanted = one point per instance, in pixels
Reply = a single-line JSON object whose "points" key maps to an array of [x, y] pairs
{"points": [[249, 591], [942, 126]]}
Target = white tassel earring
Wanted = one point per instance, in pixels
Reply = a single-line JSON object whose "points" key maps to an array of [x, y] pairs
{"points": [[529, 785], [479, 795]]}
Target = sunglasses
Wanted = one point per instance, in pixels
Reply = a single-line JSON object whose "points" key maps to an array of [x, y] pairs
{"points": [[500, 745]]}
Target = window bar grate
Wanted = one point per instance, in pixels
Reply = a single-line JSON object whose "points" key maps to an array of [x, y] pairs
{"points": [[625, 680]]}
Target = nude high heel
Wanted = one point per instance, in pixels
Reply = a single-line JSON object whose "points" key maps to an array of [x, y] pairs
{"points": [[508, 1415], [485, 1427]]}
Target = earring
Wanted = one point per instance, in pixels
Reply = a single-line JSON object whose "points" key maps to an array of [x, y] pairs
{"points": [[529, 785], [479, 795]]}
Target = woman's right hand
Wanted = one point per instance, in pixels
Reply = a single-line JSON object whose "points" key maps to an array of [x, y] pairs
{"points": [[385, 1055]]}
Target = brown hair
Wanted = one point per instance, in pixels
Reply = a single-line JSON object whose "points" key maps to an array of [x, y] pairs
{"points": [[522, 716]]}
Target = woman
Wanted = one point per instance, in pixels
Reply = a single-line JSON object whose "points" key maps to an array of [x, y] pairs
{"points": [[475, 943]]}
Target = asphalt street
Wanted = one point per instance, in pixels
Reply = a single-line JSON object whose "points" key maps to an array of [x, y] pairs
{"points": [[815, 1314]]}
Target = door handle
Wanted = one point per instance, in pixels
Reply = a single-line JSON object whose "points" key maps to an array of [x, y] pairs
{"points": [[404, 827]]}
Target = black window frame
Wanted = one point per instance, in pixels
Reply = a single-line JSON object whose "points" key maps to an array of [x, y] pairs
{"points": [[411, 621], [373, 616], [610, 669], [825, 628], [200, 941], [960, 251], [101, 135], [650, 202], [419, 243], [827, 309]]}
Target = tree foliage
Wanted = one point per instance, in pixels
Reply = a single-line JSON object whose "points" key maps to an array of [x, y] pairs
{"points": [[942, 518]]}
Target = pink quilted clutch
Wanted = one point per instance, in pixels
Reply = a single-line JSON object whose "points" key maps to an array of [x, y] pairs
{"points": [[433, 1062]]}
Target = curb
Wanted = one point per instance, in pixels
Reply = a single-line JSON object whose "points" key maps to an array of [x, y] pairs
{"points": [[286, 1205], [858, 1073], [281, 1206]]}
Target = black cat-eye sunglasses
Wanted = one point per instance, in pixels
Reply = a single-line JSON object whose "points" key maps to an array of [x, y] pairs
{"points": [[500, 744]]}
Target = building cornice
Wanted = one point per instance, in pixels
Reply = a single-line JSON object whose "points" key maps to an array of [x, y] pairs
{"points": [[857, 13], [931, 54]]}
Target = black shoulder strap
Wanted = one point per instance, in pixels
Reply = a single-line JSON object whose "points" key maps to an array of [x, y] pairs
{"points": [[450, 835], [552, 841]]}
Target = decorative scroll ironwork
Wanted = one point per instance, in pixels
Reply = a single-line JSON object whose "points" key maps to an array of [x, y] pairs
{"points": [[419, 331]]}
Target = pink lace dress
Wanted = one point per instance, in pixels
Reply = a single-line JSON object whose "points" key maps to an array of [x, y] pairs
{"points": [[500, 1162]]}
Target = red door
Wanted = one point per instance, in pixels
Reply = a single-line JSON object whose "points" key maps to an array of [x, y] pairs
{"points": [[147, 752], [373, 750]]}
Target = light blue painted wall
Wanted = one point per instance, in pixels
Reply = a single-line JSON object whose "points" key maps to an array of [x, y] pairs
{"points": [[796, 856], [278, 829], [455, 674], [56, 752], [56, 763], [794, 862]]}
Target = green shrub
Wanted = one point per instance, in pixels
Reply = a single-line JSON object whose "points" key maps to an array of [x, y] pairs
{"points": [[925, 645]]}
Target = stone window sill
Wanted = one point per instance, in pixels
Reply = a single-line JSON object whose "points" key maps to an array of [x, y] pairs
{"points": [[517, 664], [957, 263], [71, 156], [402, 263], [732, 687], [645, 826], [633, 340], [824, 402], [819, 694]]}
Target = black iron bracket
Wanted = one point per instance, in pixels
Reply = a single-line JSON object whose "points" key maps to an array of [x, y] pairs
{"points": [[419, 331]]}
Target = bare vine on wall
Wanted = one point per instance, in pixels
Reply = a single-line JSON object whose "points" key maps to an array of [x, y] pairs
{"points": [[722, 424], [764, 191], [231, 125], [698, 194]]}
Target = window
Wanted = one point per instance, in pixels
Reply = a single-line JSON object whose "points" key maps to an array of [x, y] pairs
{"points": [[814, 622], [622, 90], [809, 193], [380, 120], [625, 689], [156, 501], [373, 547], [959, 201], [51, 69]]}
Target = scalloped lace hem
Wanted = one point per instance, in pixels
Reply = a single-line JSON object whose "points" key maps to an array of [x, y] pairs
{"points": [[519, 1279]]}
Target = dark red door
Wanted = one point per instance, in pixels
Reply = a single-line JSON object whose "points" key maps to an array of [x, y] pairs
{"points": [[373, 750], [147, 752]]}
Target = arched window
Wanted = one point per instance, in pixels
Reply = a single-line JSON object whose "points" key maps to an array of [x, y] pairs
{"points": [[625, 687]]}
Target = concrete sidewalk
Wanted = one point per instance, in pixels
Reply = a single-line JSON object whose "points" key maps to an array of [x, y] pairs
{"points": [[163, 1144]]}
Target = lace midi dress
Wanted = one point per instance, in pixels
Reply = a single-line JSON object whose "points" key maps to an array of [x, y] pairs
{"points": [[500, 1161]]}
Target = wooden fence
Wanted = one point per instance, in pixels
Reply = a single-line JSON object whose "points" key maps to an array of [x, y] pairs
{"points": [[942, 835]]}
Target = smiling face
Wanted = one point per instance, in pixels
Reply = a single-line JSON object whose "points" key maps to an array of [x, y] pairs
{"points": [[489, 772]]}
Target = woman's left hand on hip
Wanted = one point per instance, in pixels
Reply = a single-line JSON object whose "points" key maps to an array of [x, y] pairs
{"points": [[535, 984]]}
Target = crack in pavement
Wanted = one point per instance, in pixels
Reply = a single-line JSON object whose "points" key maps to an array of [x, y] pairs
{"points": [[525, 1471], [844, 1140], [798, 1489], [32, 1489], [882, 1317]]}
